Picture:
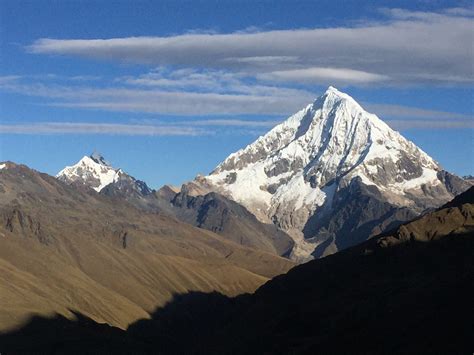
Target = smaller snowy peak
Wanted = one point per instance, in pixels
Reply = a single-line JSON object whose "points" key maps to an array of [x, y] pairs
{"points": [[96, 172], [92, 170]]}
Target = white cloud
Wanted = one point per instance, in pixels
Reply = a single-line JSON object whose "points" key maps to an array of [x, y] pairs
{"points": [[246, 99], [232, 123], [192, 128], [145, 127], [410, 47], [210, 81], [9, 79], [101, 128], [324, 75], [183, 103], [190, 79]]}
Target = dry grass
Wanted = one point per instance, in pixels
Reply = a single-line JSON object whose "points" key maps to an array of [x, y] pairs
{"points": [[63, 248]]}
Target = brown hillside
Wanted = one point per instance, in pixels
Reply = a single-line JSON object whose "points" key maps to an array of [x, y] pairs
{"points": [[65, 248]]}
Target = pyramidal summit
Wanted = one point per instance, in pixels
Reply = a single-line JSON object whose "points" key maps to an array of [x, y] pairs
{"points": [[331, 175]]}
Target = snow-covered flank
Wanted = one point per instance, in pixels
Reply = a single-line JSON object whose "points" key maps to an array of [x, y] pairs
{"points": [[3, 166], [93, 171], [285, 175]]}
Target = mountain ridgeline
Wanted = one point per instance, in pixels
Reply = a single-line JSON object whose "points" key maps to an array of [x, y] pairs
{"points": [[327, 178]]}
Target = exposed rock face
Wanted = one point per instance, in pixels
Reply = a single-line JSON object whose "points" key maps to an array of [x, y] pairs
{"points": [[454, 184], [357, 212], [18, 222], [126, 186], [332, 171], [216, 213]]}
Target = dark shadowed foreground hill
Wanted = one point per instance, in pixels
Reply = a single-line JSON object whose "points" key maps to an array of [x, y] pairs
{"points": [[408, 291]]}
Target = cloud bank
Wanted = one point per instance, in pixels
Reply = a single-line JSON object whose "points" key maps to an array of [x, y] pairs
{"points": [[174, 99], [408, 47], [256, 72]]}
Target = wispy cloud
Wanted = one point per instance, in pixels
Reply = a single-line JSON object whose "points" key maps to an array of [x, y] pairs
{"points": [[232, 123], [324, 75], [50, 77], [148, 127], [409, 47], [160, 98], [246, 99], [191, 79], [7, 80], [209, 81], [101, 129], [145, 127]]}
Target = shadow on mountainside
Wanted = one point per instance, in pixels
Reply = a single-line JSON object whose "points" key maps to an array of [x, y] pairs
{"points": [[413, 297], [182, 324]]}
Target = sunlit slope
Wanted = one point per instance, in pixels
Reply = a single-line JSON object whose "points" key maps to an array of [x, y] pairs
{"points": [[63, 248]]}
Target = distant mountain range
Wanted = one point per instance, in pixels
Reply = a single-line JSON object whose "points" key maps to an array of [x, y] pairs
{"points": [[330, 176]]}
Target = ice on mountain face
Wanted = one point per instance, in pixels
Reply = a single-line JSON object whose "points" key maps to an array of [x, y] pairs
{"points": [[93, 171], [3, 166], [294, 170], [334, 138]]}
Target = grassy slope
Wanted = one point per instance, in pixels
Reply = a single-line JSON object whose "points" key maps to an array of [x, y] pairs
{"points": [[65, 249]]}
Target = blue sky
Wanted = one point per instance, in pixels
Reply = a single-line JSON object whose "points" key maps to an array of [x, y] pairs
{"points": [[168, 89]]}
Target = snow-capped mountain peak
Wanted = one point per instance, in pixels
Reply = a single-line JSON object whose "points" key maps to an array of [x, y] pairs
{"points": [[92, 170], [294, 174], [329, 138]]}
